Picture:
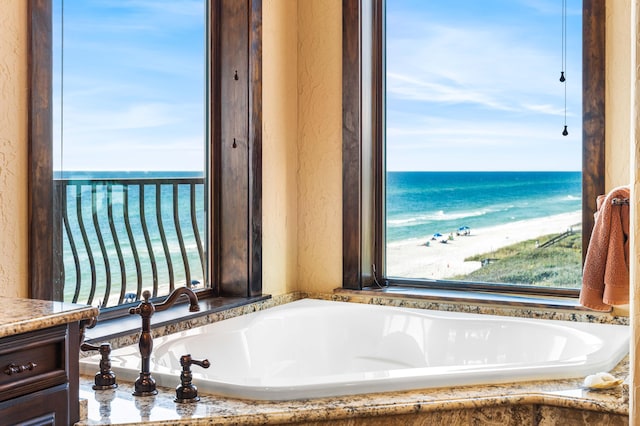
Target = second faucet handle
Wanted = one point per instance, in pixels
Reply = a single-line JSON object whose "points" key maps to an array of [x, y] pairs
{"points": [[186, 391], [105, 378]]}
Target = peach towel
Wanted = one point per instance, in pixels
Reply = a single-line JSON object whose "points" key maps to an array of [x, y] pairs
{"points": [[605, 279]]}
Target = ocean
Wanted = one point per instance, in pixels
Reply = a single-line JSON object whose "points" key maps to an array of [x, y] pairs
{"points": [[420, 204]]}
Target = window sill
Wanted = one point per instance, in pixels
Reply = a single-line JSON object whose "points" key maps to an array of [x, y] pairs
{"points": [[130, 324], [476, 296], [517, 305]]}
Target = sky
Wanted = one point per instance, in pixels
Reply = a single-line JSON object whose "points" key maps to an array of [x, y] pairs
{"points": [[133, 79], [474, 85], [471, 85]]}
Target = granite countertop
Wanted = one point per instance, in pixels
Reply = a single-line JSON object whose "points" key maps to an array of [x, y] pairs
{"points": [[18, 315], [118, 406]]}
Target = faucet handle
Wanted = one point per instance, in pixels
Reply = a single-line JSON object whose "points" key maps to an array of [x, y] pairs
{"points": [[144, 308], [186, 361], [105, 378], [186, 391]]}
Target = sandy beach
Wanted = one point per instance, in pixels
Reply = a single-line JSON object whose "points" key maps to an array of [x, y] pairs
{"points": [[413, 259]]}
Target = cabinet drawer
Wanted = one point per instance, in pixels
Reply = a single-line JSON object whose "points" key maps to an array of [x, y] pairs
{"points": [[43, 408], [32, 361]]}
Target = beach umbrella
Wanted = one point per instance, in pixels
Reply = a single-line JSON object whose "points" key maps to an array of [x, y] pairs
{"points": [[437, 234], [464, 230]]}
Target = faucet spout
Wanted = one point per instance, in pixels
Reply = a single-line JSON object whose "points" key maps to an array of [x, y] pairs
{"points": [[145, 385], [173, 297]]}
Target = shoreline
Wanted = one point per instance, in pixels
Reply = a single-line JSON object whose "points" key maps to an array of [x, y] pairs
{"points": [[413, 259]]}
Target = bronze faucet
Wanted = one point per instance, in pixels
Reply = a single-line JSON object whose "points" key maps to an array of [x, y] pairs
{"points": [[105, 378], [145, 385], [186, 391]]}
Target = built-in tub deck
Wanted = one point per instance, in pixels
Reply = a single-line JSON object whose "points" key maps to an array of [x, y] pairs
{"points": [[506, 400], [559, 398]]}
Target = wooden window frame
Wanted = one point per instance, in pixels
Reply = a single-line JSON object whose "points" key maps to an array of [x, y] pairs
{"points": [[42, 226], [363, 130]]}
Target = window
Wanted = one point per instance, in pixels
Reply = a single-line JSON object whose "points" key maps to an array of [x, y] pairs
{"points": [[364, 116], [230, 261], [129, 106]]}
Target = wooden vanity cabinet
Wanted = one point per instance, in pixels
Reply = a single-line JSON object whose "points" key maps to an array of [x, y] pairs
{"points": [[39, 377]]}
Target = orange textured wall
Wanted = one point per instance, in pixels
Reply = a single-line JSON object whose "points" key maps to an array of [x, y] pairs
{"points": [[320, 145], [13, 149], [279, 146]]}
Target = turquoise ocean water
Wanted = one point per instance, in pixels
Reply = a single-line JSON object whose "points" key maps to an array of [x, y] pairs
{"points": [[420, 204]]}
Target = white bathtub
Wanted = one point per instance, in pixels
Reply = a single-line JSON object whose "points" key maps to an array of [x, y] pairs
{"points": [[315, 348]]}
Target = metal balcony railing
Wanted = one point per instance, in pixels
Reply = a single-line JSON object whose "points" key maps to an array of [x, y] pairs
{"points": [[120, 237]]}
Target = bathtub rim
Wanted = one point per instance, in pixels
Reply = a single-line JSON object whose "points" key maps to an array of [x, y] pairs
{"points": [[268, 392]]}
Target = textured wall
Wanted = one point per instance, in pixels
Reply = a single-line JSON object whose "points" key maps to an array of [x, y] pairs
{"points": [[618, 99], [617, 102], [13, 149], [319, 145], [279, 146]]}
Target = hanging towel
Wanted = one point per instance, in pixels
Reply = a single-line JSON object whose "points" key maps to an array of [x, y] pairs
{"points": [[605, 279]]}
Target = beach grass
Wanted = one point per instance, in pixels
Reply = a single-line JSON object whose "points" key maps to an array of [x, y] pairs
{"points": [[559, 265]]}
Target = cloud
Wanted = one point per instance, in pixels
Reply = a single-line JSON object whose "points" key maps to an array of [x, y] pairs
{"points": [[418, 142], [480, 94], [173, 7], [128, 149], [552, 7], [144, 136], [495, 68], [155, 8], [408, 88], [130, 18], [499, 63], [547, 109], [128, 116], [468, 133]]}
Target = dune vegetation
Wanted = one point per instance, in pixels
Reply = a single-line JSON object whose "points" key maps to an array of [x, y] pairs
{"points": [[528, 262]]}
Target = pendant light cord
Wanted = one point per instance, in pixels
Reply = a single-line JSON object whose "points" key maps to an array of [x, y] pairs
{"points": [[563, 76]]}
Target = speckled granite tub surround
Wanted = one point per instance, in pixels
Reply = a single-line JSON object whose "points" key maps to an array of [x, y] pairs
{"points": [[377, 298], [396, 298], [530, 403]]}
